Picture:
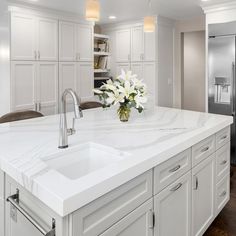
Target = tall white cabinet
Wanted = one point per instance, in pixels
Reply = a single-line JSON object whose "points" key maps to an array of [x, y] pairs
{"points": [[133, 49], [76, 58], [47, 56]]}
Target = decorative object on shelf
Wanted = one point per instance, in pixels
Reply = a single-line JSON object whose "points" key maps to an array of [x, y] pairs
{"points": [[92, 10], [127, 91], [149, 21]]}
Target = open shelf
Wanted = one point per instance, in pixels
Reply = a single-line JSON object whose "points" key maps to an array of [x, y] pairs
{"points": [[101, 36], [101, 53], [100, 71]]}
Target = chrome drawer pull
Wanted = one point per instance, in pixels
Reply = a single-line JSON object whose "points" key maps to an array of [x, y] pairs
{"points": [[178, 186], [224, 137], [14, 200], [196, 183], [175, 169], [223, 162], [223, 194], [205, 149]]}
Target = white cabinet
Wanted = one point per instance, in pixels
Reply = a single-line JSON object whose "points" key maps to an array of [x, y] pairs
{"points": [[122, 66], [173, 209], [75, 42], [123, 41], [47, 39], [149, 77], [137, 44], [84, 43], [67, 41], [23, 37], [138, 223], [203, 195], [149, 47], [77, 76], [85, 80], [33, 38], [23, 85], [34, 86], [146, 71], [47, 87]]}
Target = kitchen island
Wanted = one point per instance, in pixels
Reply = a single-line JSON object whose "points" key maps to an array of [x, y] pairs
{"points": [[165, 172]]}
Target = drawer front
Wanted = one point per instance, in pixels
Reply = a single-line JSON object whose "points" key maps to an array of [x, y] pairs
{"points": [[222, 193], [222, 162], [1, 185], [222, 137], [203, 150], [101, 214], [171, 170]]}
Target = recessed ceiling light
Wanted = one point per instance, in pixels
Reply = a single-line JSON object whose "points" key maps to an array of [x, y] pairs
{"points": [[112, 17], [205, 0]]}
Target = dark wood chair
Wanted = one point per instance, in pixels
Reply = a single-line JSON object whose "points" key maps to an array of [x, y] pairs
{"points": [[90, 105], [20, 115]]}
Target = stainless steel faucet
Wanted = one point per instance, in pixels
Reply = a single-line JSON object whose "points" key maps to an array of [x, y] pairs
{"points": [[64, 132]]}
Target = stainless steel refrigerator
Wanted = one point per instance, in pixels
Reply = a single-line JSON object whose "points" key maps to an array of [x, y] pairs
{"points": [[221, 84]]}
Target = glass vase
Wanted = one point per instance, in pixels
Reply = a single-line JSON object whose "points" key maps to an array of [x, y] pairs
{"points": [[124, 113]]}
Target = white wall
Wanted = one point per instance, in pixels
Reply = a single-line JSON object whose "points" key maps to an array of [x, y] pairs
{"points": [[193, 78], [196, 24], [4, 59]]}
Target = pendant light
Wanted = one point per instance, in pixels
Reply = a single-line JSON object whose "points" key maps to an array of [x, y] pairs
{"points": [[149, 21], [92, 10]]}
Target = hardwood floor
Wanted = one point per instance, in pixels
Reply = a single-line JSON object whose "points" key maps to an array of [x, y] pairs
{"points": [[225, 223]]}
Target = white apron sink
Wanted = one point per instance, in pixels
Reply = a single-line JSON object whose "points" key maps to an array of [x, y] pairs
{"points": [[83, 159]]}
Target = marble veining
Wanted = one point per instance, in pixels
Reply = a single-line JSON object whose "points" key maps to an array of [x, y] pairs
{"points": [[150, 138]]}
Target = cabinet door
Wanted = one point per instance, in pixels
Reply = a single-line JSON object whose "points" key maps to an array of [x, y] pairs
{"points": [[137, 44], [84, 43], [138, 223], [47, 39], [2, 227], [23, 37], [149, 77], [47, 87], [123, 48], [67, 41], [85, 81], [122, 66], [203, 196], [173, 209], [67, 79], [149, 46], [137, 68], [23, 84]]}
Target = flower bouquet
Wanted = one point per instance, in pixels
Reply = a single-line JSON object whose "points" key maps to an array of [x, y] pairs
{"points": [[127, 91]]}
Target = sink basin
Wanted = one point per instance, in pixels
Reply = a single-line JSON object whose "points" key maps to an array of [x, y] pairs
{"points": [[81, 160]]}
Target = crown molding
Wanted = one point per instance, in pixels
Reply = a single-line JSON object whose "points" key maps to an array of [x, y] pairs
{"points": [[219, 7]]}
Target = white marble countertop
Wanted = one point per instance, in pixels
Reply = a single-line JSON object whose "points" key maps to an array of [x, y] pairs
{"points": [[150, 138]]}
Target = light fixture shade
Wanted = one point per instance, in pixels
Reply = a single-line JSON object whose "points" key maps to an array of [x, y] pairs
{"points": [[149, 24], [92, 10]]}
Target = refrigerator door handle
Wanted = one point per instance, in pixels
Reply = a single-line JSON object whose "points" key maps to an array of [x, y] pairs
{"points": [[233, 90]]}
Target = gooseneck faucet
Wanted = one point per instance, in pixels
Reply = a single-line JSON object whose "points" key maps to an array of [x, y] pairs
{"points": [[64, 132]]}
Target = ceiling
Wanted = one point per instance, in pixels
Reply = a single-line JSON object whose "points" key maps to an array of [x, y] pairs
{"points": [[131, 9]]}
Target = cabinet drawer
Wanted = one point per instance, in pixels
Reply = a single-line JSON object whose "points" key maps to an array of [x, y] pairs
{"points": [[203, 150], [137, 223], [222, 162], [222, 194], [101, 214], [222, 137], [171, 170], [1, 185]]}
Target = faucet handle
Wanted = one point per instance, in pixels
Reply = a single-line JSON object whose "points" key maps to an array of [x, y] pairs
{"points": [[71, 131]]}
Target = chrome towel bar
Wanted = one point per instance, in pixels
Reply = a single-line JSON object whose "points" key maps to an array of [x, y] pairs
{"points": [[15, 199]]}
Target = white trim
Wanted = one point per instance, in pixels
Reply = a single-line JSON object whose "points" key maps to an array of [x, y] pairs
{"points": [[219, 7], [49, 13]]}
